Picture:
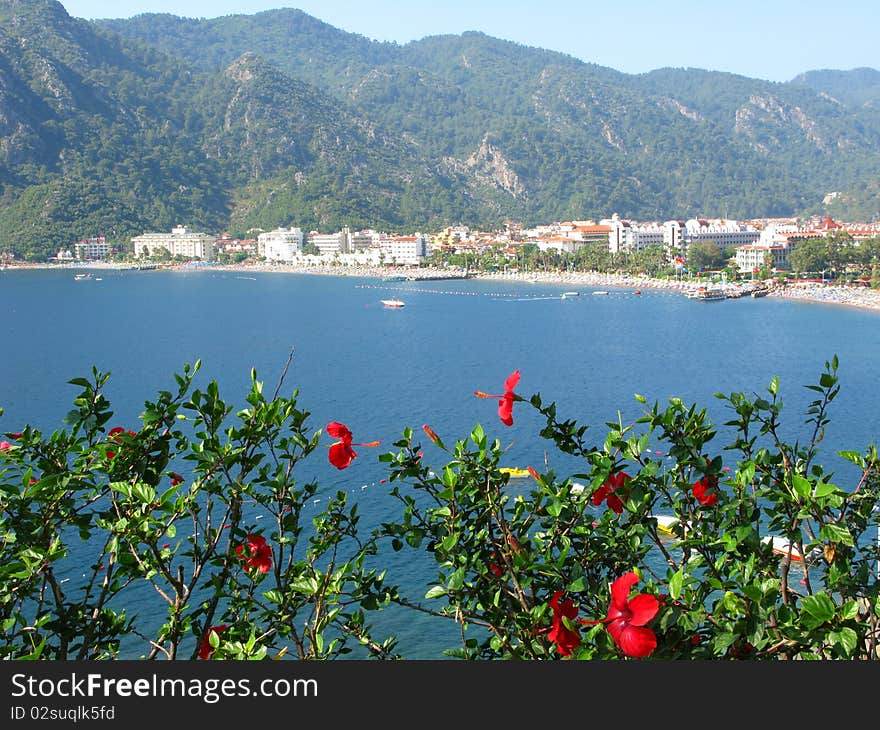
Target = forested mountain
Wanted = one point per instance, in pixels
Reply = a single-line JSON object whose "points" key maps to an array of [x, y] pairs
{"points": [[255, 121], [859, 87]]}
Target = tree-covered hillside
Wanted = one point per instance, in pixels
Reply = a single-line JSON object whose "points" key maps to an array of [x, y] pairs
{"points": [[579, 139], [253, 121]]}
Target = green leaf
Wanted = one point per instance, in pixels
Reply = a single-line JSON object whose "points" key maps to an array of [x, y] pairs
{"points": [[847, 638], [836, 533], [449, 542], [854, 456], [826, 380], [823, 490], [801, 486], [273, 596], [456, 580], [478, 435], [436, 592], [675, 583], [819, 606]]}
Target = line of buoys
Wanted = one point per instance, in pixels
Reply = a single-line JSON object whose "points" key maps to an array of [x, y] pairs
{"points": [[515, 296]]}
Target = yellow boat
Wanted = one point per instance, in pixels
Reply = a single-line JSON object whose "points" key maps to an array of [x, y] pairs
{"points": [[514, 471], [780, 546]]}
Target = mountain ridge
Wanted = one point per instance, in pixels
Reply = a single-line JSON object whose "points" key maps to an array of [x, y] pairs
{"points": [[253, 121]]}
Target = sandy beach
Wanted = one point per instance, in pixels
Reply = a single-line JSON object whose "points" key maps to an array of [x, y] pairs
{"points": [[861, 297]]}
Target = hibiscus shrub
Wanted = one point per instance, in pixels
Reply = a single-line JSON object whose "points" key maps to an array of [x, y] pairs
{"points": [[745, 551], [89, 517], [667, 554]]}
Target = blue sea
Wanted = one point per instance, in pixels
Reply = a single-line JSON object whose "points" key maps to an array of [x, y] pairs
{"points": [[379, 370]]}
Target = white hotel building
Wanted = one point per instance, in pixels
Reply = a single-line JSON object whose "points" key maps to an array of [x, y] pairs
{"points": [[329, 244], [282, 244], [678, 235], [773, 240], [180, 242], [404, 250], [631, 236], [93, 248]]}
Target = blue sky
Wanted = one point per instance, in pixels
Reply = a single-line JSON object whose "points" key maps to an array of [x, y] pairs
{"points": [[769, 39]]}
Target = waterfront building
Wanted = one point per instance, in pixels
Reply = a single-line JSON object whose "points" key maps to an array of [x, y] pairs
{"points": [[774, 245], [632, 237], [754, 256], [282, 244], [92, 248], [679, 235], [180, 242], [404, 250], [559, 243], [228, 245], [329, 244], [364, 239]]}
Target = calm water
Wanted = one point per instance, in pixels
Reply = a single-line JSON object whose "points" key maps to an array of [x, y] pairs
{"points": [[379, 370]]}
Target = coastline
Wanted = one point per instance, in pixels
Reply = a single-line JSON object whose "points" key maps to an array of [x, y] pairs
{"points": [[859, 297]]}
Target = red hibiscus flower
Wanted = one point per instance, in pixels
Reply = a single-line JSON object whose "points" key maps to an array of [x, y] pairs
{"points": [[117, 431], [256, 554], [609, 491], [494, 569], [15, 436], [4, 445], [566, 639], [206, 651], [626, 618], [341, 453], [175, 478], [505, 404], [704, 491]]}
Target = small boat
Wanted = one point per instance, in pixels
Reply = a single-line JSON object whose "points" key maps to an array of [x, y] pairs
{"points": [[394, 277], [393, 303], [599, 292], [638, 291], [514, 471], [666, 524], [706, 294], [571, 293], [80, 277], [666, 527]]}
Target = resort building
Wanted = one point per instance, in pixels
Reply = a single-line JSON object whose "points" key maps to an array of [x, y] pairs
{"points": [[365, 239], [228, 245], [678, 235], [633, 237], [282, 244], [180, 242], [329, 244], [404, 250], [92, 248], [752, 257]]}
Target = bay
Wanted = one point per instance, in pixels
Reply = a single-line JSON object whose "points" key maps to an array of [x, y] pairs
{"points": [[379, 369]]}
